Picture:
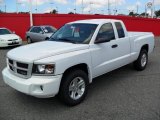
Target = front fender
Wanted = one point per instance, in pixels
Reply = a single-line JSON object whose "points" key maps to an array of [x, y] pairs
{"points": [[67, 60]]}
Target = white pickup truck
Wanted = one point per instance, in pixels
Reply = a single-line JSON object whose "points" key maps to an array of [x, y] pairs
{"points": [[78, 52]]}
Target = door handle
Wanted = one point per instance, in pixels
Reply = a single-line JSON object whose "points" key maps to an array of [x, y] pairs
{"points": [[114, 46]]}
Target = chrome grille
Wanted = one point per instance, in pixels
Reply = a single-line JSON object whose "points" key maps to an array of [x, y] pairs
{"points": [[20, 69], [13, 40]]}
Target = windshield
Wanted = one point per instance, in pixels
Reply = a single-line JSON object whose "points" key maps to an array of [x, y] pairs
{"points": [[49, 29], [75, 33], [4, 32]]}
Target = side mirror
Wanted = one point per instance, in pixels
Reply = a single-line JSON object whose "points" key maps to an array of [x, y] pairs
{"points": [[102, 40], [46, 31]]}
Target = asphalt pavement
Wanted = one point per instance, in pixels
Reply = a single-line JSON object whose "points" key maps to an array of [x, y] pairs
{"points": [[123, 94]]}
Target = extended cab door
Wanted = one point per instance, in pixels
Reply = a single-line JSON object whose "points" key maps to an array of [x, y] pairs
{"points": [[109, 52], [122, 51]]}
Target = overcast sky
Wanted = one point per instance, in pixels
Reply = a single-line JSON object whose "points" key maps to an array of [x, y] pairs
{"points": [[90, 6]]}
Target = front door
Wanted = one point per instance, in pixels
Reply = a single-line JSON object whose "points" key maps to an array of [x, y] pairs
{"points": [[109, 55]]}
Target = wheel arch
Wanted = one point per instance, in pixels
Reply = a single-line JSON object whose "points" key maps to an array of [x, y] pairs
{"points": [[81, 66], [46, 38], [146, 47]]}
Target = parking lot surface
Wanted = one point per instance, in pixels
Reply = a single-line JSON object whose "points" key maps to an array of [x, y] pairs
{"points": [[124, 94]]}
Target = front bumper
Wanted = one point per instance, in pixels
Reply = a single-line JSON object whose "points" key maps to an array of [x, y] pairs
{"points": [[38, 86], [10, 43]]}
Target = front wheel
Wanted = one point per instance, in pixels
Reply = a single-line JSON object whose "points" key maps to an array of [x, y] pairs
{"points": [[141, 63], [74, 87], [29, 41]]}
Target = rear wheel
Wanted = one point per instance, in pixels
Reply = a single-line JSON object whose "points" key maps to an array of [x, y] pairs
{"points": [[29, 41], [47, 38], [74, 87], [141, 63]]}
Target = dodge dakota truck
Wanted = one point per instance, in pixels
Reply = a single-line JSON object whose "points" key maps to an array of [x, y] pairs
{"points": [[78, 52]]}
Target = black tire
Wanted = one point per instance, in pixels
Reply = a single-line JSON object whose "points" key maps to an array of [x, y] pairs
{"points": [[47, 38], [29, 40], [139, 64], [68, 78]]}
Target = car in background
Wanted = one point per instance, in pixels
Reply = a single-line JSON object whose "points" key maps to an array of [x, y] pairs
{"points": [[39, 33], [8, 38]]}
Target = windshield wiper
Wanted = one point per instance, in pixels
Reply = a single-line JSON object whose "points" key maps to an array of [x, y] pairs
{"points": [[62, 40], [66, 40]]}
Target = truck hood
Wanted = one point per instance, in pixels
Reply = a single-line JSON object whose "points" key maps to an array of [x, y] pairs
{"points": [[37, 51], [9, 37]]}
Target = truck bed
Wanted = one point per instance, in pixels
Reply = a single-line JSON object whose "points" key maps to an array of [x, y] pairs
{"points": [[133, 34]]}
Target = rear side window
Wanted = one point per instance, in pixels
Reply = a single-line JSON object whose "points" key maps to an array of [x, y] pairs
{"points": [[120, 30], [36, 30]]}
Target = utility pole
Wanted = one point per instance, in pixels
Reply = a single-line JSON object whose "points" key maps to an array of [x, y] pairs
{"points": [[91, 3], [153, 8], [82, 7], [5, 7], [51, 6], [102, 11], [31, 17], [75, 9], [36, 7], [115, 9], [145, 10], [57, 9], [17, 6], [137, 8], [108, 7]]}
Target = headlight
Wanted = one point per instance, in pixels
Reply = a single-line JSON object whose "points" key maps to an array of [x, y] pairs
{"points": [[44, 69]]}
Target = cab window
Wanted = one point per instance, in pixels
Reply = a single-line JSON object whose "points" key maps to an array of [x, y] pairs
{"points": [[120, 30], [106, 32]]}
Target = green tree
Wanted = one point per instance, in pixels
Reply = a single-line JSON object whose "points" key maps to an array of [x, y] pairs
{"points": [[144, 14], [157, 13], [133, 14], [54, 11], [1, 11], [70, 13]]}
